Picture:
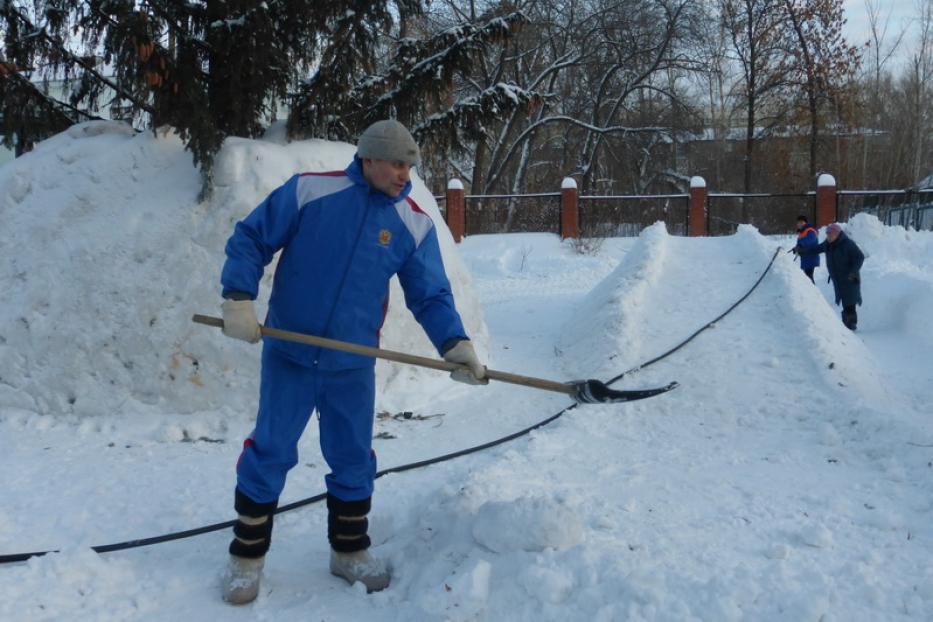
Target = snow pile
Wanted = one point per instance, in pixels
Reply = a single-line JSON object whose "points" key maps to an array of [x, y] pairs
{"points": [[108, 254], [611, 330], [465, 594], [837, 354], [893, 247], [527, 524], [608, 332], [901, 264], [87, 585], [617, 307]]}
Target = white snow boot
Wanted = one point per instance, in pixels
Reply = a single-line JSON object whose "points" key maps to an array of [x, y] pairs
{"points": [[349, 558], [241, 579], [360, 566], [252, 535]]}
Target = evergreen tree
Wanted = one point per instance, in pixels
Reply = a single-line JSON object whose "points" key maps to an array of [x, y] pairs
{"points": [[208, 69], [353, 89]]}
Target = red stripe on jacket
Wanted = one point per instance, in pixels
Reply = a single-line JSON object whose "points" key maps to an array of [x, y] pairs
{"points": [[414, 206], [325, 174]]}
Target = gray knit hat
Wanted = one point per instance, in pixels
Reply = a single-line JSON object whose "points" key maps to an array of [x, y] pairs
{"points": [[388, 140]]}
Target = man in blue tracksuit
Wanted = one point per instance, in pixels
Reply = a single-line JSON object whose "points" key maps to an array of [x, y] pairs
{"points": [[807, 237], [342, 236]]}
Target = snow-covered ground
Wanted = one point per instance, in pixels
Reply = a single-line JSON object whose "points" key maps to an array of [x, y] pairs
{"points": [[789, 477]]}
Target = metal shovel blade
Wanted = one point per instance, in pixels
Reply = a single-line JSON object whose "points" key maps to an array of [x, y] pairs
{"points": [[596, 392]]}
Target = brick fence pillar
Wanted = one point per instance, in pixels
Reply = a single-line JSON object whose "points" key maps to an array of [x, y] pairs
{"points": [[456, 209], [569, 210], [696, 211], [825, 200]]}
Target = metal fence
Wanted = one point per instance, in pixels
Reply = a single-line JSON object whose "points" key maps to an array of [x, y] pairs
{"points": [[626, 216], [909, 209], [508, 213], [599, 216], [769, 213]]}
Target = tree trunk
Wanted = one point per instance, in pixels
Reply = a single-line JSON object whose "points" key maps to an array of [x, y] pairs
{"points": [[814, 131]]}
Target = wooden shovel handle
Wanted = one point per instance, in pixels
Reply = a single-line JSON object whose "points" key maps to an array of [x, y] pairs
{"points": [[398, 357]]}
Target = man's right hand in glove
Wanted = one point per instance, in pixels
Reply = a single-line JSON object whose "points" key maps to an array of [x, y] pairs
{"points": [[464, 354], [240, 320]]}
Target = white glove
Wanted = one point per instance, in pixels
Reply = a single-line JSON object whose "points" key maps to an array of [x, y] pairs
{"points": [[240, 320], [464, 354]]}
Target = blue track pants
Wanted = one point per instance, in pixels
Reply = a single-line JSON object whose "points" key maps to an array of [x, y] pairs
{"points": [[288, 394]]}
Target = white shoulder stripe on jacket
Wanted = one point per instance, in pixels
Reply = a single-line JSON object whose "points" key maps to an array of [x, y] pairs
{"points": [[313, 186], [416, 221]]}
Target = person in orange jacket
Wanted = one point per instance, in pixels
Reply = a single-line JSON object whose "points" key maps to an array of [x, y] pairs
{"points": [[807, 237]]}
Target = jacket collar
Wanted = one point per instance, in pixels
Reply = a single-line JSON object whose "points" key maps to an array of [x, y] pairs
{"points": [[355, 172]]}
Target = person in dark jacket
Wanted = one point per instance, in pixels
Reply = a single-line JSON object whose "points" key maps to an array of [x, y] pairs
{"points": [[843, 261], [807, 237], [342, 236]]}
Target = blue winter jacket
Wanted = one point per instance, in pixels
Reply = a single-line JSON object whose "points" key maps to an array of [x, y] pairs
{"points": [[808, 238], [341, 242]]}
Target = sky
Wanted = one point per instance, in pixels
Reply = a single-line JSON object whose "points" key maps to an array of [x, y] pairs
{"points": [[899, 14]]}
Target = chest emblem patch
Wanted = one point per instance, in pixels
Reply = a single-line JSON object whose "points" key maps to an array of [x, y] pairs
{"points": [[385, 236]]}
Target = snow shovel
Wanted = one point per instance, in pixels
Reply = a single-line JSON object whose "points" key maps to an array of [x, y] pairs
{"points": [[583, 391]]}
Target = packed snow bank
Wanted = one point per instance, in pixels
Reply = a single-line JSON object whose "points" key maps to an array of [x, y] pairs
{"points": [[893, 248], [617, 306], [87, 585], [108, 254], [527, 524], [690, 281], [661, 275], [814, 327], [899, 267]]}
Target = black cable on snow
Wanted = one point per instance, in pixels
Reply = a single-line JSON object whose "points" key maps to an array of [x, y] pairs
{"points": [[707, 325], [178, 535]]}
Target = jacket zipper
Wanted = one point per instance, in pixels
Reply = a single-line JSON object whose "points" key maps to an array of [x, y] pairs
{"points": [[343, 279]]}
